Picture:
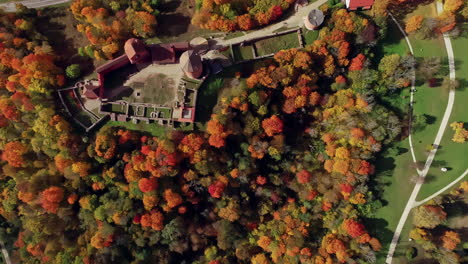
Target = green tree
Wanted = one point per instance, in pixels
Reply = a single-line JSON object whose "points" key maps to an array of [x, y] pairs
{"points": [[73, 71], [429, 216]]}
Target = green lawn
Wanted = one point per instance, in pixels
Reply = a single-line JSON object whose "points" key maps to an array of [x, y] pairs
{"points": [[393, 168], [242, 53], [430, 101], [450, 154], [309, 35], [393, 171], [275, 44]]}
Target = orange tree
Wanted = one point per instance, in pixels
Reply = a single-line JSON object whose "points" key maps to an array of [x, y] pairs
{"points": [[231, 15]]}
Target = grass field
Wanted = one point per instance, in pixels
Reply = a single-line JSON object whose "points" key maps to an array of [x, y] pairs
{"points": [[394, 167], [242, 53], [157, 89], [430, 101], [450, 154], [309, 35], [275, 44], [394, 172]]}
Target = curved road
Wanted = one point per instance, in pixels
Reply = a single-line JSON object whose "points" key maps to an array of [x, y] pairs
{"points": [[11, 6], [296, 20], [427, 165]]}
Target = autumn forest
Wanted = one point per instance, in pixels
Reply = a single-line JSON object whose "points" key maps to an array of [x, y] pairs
{"points": [[280, 173]]}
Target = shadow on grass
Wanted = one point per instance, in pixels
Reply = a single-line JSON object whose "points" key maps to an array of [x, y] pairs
{"points": [[400, 10], [378, 227], [384, 169], [458, 208]]}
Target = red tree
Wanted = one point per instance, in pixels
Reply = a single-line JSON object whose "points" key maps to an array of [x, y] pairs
{"points": [[303, 176], [272, 125], [13, 153], [50, 198], [148, 184], [353, 228], [216, 189], [357, 63]]}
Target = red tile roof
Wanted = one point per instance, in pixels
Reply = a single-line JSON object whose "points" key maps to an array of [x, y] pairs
{"points": [[360, 3], [135, 49], [162, 54], [113, 64]]}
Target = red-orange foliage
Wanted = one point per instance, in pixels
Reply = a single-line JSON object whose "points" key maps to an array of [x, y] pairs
{"points": [[346, 187], [20, 99], [50, 198], [261, 180], [216, 189], [272, 125], [245, 22], [354, 228], [99, 240], [357, 133], [217, 141], [340, 79], [289, 106], [341, 166], [148, 184], [217, 133], [13, 153], [72, 198], [375, 244], [9, 110], [303, 176], [450, 240], [357, 63], [173, 199], [155, 220]]}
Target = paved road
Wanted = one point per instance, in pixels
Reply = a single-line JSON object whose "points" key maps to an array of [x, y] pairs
{"points": [[5, 254], [11, 6], [416, 204], [430, 158], [296, 20], [413, 88]]}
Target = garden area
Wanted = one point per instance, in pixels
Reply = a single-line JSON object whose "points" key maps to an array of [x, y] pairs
{"points": [[275, 44], [242, 53], [157, 88]]}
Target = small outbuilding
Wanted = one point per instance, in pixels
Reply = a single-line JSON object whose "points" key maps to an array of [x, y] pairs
{"points": [[136, 51], [191, 64], [314, 19], [90, 92], [358, 4]]}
